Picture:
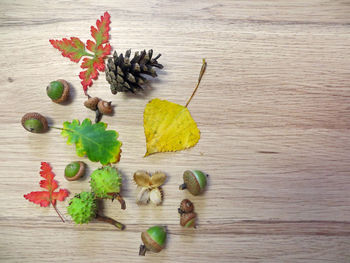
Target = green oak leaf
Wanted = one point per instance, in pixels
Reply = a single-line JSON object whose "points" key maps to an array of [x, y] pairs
{"points": [[93, 140]]}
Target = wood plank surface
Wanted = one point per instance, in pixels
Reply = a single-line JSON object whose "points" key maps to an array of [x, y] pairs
{"points": [[273, 110]]}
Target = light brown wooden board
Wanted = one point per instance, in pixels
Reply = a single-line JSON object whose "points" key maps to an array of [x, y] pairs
{"points": [[273, 110]]}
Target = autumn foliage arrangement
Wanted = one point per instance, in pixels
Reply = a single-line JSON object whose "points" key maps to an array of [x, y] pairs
{"points": [[168, 127]]}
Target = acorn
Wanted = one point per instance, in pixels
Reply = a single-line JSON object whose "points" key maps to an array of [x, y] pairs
{"points": [[195, 181], [74, 171], [91, 103], [188, 219], [186, 206], [34, 122], [105, 107], [153, 239], [58, 90]]}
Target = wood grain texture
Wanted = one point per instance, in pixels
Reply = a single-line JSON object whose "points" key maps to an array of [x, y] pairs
{"points": [[273, 110]]}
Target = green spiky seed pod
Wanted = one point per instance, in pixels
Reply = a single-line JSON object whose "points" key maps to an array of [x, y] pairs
{"points": [[82, 207], [124, 74], [105, 182]]}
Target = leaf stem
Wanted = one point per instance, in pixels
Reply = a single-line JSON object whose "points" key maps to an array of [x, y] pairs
{"points": [[88, 54], [204, 66], [57, 128], [59, 214], [110, 221]]}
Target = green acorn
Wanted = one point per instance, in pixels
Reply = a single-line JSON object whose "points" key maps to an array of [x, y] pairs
{"points": [[153, 239], [82, 207], [74, 171], [106, 182], [58, 90], [195, 181], [34, 122]]}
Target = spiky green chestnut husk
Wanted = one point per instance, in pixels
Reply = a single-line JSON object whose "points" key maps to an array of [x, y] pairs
{"points": [[82, 208], [105, 182]]}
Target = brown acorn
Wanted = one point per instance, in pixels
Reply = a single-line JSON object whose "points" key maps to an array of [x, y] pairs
{"points": [[195, 181], [58, 90], [153, 240], [34, 122], [74, 171], [188, 219], [105, 107], [91, 103], [186, 206]]}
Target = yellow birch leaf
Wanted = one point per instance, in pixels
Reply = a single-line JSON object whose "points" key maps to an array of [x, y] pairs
{"points": [[168, 127]]}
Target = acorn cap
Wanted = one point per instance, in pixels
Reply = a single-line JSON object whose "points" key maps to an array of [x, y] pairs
{"points": [[91, 103], [154, 238], [186, 206], [195, 181], [34, 122], [188, 219], [58, 90], [74, 171], [105, 107]]}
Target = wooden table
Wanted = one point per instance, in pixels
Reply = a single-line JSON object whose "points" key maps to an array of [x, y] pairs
{"points": [[273, 110]]}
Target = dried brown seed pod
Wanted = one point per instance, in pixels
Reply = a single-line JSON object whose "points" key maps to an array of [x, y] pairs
{"points": [[157, 179], [143, 196], [142, 178], [91, 103], [188, 219], [186, 206], [34, 122], [105, 107], [156, 196]]}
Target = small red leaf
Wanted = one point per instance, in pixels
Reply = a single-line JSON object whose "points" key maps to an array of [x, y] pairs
{"points": [[44, 198]]}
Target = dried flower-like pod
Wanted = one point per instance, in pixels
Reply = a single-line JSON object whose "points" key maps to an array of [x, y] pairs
{"points": [[34, 122], [195, 181], [156, 196], [157, 179], [58, 90], [188, 219], [105, 107], [91, 103], [143, 196], [142, 178], [153, 239], [186, 206]]}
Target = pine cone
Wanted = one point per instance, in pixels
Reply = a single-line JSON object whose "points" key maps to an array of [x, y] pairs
{"points": [[125, 75]]}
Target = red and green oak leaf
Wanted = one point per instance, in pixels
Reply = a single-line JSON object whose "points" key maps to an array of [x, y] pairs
{"points": [[45, 198], [75, 49]]}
